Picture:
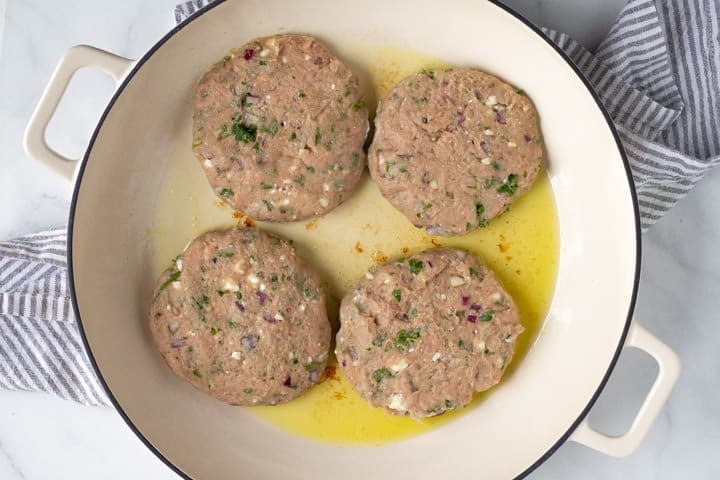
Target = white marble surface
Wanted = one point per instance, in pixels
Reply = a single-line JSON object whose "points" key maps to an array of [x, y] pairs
{"points": [[43, 437]]}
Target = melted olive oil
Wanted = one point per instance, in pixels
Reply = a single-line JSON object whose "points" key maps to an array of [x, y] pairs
{"points": [[521, 246]]}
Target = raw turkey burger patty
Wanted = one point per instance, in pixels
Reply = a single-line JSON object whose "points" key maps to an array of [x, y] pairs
{"points": [[419, 336], [240, 317], [454, 148], [279, 127]]}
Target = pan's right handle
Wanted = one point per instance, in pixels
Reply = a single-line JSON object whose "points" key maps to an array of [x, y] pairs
{"points": [[74, 59]]}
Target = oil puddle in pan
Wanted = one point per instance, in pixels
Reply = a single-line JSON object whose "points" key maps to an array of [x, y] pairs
{"points": [[522, 246]]}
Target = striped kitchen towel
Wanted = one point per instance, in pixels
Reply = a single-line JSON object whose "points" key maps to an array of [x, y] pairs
{"points": [[656, 72]]}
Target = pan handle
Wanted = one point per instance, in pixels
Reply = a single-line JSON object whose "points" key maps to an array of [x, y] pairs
{"points": [[668, 372], [74, 59]]}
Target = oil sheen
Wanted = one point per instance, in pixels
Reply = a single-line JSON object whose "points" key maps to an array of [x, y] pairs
{"points": [[521, 246]]}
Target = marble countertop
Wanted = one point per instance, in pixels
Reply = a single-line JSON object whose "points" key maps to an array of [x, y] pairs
{"points": [[43, 437]]}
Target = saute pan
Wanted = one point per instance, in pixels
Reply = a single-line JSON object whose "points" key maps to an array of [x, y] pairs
{"points": [[541, 405]]}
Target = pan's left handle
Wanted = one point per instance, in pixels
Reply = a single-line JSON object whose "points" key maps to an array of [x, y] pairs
{"points": [[74, 59]]}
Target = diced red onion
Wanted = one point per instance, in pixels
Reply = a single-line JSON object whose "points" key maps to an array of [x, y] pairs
{"points": [[465, 299], [499, 118], [472, 318], [527, 138], [485, 146], [249, 342], [249, 53], [177, 342], [250, 98], [268, 319], [262, 296], [344, 363], [287, 382], [318, 61], [240, 306], [475, 307], [429, 264], [478, 95], [314, 376]]}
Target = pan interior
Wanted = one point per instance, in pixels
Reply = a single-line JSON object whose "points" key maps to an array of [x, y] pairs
{"points": [[522, 246]]}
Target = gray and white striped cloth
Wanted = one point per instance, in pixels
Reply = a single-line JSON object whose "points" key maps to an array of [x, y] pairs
{"points": [[656, 72]]}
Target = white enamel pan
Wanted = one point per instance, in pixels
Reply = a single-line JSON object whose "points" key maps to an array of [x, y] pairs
{"points": [[546, 400]]}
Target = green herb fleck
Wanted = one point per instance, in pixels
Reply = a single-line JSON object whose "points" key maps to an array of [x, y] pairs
{"points": [[379, 339], [268, 205], [355, 159], [300, 180], [311, 367], [256, 146], [479, 211], [172, 278], [226, 254], [307, 291], [197, 373], [496, 166], [266, 186], [468, 226], [271, 128], [475, 273], [397, 294], [449, 404], [487, 316], [413, 313], [293, 137], [301, 94], [232, 324], [488, 351], [429, 73], [238, 295], [381, 373], [415, 266], [318, 136], [405, 339], [222, 292], [244, 133], [213, 331], [311, 169], [190, 349], [262, 62], [274, 278], [248, 391], [358, 105], [226, 192], [510, 185], [224, 132], [520, 91]]}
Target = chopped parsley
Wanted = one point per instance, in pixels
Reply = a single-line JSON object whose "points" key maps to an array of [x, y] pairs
{"points": [[274, 278], [271, 128], [300, 180], [268, 205], [307, 291], [479, 211], [381, 373], [429, 73], [213, 331], [475, 273], [238, 295], [293, 137], [248, 391], [311, 169], [355, 159], [197, 373], [302, 94], [311, 367], [413, 313], [397, 294], [487, 316], [222, 292], [244, 133], [224, 132], [172, 278], [379, 339], [266, 186], [358, 105], [510, 185], [405, 339], [262, 62], [415, 266], [318, 136], [226, 254], [496, 166], [232, 324], [226, 192]]}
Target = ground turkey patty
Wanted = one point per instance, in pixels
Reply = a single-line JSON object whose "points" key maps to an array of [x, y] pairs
{"points": [[453, 148], [241, 317], [419, 336], [279, 127]]}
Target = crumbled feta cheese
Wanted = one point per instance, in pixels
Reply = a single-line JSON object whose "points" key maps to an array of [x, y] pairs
{"points": [[492, 100], [230, 285], [434, 185], [485, 161], [279, 317], [436, 357], [284, 202], [208, 164], [369, 276], [323, 202], [512, 144], [399, 366], [176, 285], [456, 281], [480, 345], [264, 53], [262, 287], [236, 355], [301, 307], [489, 132], [252, 278], [179, 264], [326, 187], [496, 297], [397, 402]]}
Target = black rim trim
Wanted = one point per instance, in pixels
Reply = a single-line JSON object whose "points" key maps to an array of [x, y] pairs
{"points": [[527, 23]]}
